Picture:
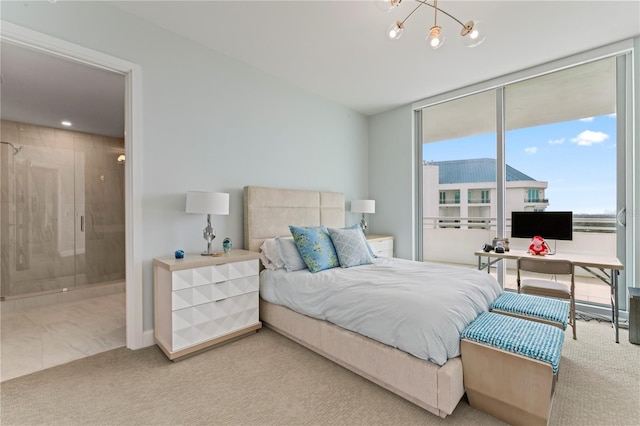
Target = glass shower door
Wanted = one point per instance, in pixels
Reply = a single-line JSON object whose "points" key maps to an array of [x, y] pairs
{"points": [[38, 215]]}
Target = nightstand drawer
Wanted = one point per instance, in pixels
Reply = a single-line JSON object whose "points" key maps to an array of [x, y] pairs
{"points": [[213, 274], [206, 293], [197, 324], [381, 245]]}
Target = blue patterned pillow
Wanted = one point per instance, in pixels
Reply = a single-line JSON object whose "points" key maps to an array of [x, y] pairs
{"points": [[289, 254], [351, 247], [359, 228], [315, 247]]}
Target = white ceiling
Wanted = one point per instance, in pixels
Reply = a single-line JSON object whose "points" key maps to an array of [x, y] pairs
{"points": [[338, 49], [45, 90]]}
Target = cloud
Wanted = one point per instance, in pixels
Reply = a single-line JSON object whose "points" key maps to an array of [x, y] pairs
{"points": [[556, 141], [589, 137], [587, 119], [531, 150]]}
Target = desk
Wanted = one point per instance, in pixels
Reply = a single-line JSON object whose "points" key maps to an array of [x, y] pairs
{"points": [[595, 265]]}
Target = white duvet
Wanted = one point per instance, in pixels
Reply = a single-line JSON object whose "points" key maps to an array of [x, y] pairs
{"points": [[420, 308]]}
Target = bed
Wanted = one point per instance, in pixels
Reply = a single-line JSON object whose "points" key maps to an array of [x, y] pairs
{"points": [[268, 212]]}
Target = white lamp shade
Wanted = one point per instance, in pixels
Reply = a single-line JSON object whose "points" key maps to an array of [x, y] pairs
{"points": [[207, 202], [363, 206]]}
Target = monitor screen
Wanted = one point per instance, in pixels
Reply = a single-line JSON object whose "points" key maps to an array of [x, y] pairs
{"points": [[548, 225]]}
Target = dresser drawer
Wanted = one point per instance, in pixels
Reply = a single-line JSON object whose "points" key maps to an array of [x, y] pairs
{"points": [[193, 296], [382, 247], [213, 274], [197, 324]]}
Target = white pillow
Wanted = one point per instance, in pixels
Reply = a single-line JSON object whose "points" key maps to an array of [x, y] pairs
{"points": [[270, 256], [289, 254]]}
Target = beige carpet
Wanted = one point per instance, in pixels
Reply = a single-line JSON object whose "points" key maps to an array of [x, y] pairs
{"points": [[265, 379]]}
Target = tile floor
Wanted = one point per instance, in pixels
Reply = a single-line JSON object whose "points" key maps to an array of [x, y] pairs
{"points": [[588, 289], [37, 337]]}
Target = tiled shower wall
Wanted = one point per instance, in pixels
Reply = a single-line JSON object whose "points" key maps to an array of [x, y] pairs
{"points": [[61, 210]]}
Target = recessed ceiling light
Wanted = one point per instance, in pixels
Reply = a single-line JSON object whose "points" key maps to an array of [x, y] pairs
{"points": [[66, 123]]}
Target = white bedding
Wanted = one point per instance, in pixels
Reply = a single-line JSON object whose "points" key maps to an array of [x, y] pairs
{"points": [[417, 307]]}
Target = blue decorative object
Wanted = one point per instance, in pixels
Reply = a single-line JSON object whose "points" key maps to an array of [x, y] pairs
{"points": [[227, 244], [179, 254]]}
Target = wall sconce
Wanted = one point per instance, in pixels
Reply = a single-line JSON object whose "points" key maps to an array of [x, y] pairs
{"points": [[363, 206], [208, 203]]}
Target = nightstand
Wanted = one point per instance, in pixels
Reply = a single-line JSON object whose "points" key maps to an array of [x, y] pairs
{"points": [[201, 301], [382, 245]]}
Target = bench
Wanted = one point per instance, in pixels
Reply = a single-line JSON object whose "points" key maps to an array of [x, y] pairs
{"points": [[510, 366], [535, 308]]}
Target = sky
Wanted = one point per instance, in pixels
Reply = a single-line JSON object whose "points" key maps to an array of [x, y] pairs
{"points": [[577, 158]]}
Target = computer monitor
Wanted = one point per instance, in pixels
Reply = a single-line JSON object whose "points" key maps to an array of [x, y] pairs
{"points": [[548, 225]]}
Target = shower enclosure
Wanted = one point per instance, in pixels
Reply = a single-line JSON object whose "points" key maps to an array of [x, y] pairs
{"points": [[61, 210]]}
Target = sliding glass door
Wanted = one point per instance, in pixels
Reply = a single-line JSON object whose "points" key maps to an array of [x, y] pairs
{"points": [[459, 178], [564, 149], [561, 130]]}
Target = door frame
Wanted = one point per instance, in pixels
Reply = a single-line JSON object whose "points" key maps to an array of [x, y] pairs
{"points": [[132, 72]]}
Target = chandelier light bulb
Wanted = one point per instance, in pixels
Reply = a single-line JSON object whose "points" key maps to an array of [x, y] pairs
{"points": [[435, 38], [472, 34], [387, 5], [395, 30]]}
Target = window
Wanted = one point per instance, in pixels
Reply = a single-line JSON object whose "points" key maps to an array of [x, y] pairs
{"points": [[538, 171]]}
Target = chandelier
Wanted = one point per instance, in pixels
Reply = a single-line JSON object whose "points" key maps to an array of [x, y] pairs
{"points": [[471, 34]]}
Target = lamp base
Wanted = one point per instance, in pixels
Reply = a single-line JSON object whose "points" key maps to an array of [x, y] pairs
{"points": [[363, 224], [215, 254]]}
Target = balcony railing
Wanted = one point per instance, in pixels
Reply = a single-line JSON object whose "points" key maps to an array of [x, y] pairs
{"points": [[454, 240], [479, 201], [601, 224], [449, 202], [536, 200]]}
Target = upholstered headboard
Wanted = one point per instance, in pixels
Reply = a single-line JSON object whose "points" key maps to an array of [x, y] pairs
{"points": [[268, 212]]}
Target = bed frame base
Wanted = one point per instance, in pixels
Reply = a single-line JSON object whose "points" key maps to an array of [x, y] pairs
{"points": [[436, 389]]}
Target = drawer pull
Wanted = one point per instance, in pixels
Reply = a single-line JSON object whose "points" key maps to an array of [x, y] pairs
{"points": [[220, 300]]}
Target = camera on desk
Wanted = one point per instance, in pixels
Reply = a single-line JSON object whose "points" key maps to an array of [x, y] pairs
{"points": [[499, 245]]}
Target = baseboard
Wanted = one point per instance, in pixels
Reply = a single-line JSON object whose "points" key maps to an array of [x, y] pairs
{"points": [[147, 338]]}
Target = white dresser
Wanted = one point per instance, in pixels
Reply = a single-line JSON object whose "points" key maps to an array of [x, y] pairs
{"points": [[200, 301], [382, 245]]}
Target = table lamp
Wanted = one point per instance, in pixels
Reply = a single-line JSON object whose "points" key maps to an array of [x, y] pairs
{"points": [[363, 206], [208, 203]]}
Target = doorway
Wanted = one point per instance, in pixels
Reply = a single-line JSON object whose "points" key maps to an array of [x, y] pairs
{"points": [[136, 336]]}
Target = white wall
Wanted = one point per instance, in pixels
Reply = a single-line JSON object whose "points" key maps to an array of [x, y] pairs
{"points": [[210, 123], [392, 164]]}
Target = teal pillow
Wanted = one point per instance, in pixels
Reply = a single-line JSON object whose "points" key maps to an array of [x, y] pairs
{"points": [[351, 247], [315, 247]]}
